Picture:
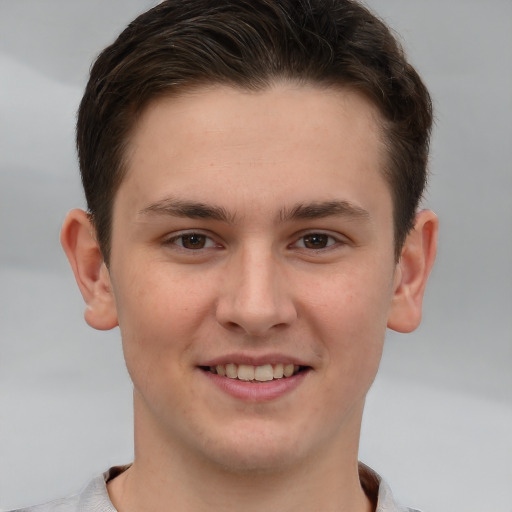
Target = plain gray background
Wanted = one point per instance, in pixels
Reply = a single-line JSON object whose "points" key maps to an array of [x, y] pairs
{"points": [[438, 423]]}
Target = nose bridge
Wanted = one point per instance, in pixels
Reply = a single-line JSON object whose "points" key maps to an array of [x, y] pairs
{"points": [[258, 278], [255, 296]]}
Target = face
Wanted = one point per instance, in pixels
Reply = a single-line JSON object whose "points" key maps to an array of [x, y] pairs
{"points": [[253, 270]]}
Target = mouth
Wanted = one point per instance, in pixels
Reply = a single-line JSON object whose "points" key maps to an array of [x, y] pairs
{"points": [[250, 373]]}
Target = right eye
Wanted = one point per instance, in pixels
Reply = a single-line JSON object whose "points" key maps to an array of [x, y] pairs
{"points": [[192, 241]]}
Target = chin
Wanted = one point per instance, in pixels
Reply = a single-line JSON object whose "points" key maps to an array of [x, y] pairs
{"points": [[257, 452], [256, 462]]}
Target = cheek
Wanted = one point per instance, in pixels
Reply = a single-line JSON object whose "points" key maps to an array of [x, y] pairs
{"points": [[159, 298], [350, 318], [354, 301], [159, 318]]}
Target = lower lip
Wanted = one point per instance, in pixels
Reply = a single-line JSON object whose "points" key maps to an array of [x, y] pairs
{"points": [[256, 391]]}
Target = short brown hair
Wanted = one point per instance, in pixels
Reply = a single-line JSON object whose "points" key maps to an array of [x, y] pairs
{"points": [[181, 44]]}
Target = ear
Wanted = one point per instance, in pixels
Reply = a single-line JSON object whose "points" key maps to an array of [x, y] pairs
{"points": [[92, 276], [416, 261]]}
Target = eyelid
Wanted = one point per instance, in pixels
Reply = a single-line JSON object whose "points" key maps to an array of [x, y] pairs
{"points": [[339, 239], [170, 240]]}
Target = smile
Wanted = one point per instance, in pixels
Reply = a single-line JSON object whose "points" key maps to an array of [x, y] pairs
{"points": [[248, 373]]}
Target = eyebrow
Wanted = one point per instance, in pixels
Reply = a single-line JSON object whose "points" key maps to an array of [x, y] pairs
{"points": [[197, 210], [188, 209], [318, 210]]}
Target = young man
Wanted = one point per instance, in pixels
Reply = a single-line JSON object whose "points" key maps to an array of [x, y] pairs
{"points": [[253, 171]]}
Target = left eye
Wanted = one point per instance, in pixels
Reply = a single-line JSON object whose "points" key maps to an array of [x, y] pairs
{"points": [[315, 241], [192, 241]]}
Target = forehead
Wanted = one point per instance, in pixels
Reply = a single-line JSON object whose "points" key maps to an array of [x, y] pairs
{"points": [[286, 141]]}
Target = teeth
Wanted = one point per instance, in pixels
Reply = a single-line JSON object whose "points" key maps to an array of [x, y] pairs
{"points": [[278, 371], [262, 373], [245, 372], [288, 370], [231, 371]]}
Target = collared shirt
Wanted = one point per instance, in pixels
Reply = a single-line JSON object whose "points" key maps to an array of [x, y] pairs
{"points": [[94, 498]]}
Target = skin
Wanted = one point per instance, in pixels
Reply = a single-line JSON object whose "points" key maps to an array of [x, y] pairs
{"points": [[264, 277]]}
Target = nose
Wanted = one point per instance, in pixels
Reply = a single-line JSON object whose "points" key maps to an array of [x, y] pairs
{"points": [[255, 295]]}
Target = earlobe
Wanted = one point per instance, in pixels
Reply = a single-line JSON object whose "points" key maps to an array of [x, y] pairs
{"points": [[91, 274], [416, 261]]}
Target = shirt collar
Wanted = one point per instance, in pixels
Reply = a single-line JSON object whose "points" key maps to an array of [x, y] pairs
{"points": [[95, 495]]}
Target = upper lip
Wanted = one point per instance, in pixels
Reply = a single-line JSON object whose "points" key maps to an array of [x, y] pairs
{"points": [[254, 360]]}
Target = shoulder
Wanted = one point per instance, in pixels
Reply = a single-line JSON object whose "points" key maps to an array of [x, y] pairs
{"points": [[69, 504], [387, 502], [94, 498], [379, 492]]}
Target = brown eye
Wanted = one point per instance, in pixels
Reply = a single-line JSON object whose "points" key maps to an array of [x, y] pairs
{"points": [[193, 241], [316, 241]]}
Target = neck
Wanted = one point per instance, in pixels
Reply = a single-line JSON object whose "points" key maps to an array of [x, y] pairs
{"points": [[165, 476]]}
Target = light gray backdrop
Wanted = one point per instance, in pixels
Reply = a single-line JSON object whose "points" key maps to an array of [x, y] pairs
{"points": [[443, 440]]}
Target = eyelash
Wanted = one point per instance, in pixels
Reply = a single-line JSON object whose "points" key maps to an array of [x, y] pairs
{"points": [[300, 243], [329, 240], [188, 235]]}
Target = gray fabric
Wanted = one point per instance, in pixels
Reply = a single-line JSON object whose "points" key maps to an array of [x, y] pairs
{"points": [[386, 502], [94, 498]]}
